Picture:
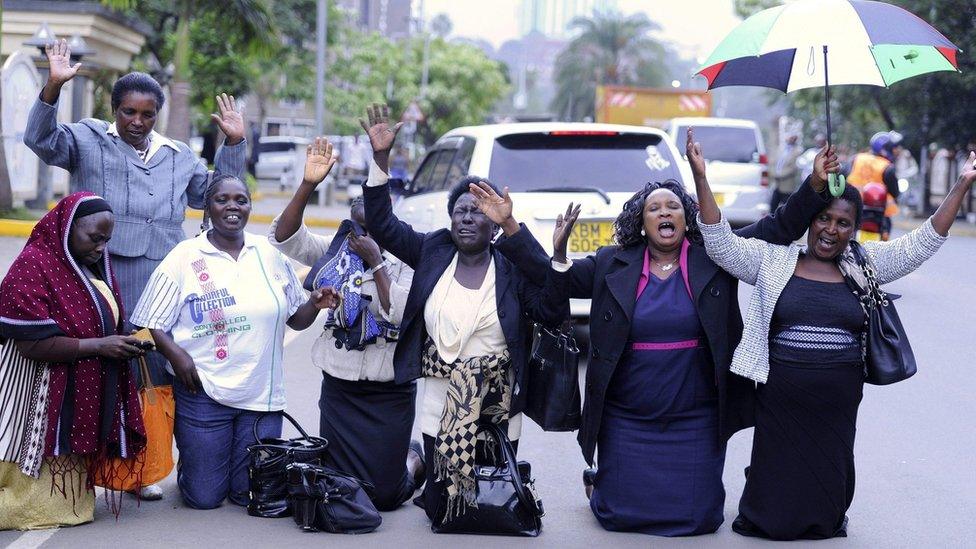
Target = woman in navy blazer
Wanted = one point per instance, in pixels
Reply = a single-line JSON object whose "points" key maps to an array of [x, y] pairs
{"points": [[664, 320]]}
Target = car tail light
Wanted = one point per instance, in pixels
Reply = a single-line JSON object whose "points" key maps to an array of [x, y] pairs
{"points": [[764, 180], [584, 132]]}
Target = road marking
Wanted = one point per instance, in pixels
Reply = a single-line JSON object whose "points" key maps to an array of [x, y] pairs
{"points": [[32, 539]]}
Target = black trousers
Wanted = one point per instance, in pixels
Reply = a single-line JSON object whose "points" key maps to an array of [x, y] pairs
{"points": [[368, 425]]}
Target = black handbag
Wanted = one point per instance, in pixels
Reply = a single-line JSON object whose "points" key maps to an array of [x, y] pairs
{"points": [[554, 395], [506, 498], [323, 499], [888, 356], [268, 459]]}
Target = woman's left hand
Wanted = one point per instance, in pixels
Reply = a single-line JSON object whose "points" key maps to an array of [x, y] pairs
{"points": [[366, 248], [230, 121], [497, 208], [325, 298]]}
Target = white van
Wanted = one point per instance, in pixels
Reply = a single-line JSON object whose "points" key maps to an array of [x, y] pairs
{"points": [[546, 166], [738, 169]]}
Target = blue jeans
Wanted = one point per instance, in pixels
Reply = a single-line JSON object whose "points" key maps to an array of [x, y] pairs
{"points": [[213, 440]]}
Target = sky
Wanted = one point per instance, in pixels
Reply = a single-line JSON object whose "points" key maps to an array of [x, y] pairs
{"points": [[694, 27]]}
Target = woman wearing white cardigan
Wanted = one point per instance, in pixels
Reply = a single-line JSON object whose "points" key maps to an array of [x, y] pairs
{"points": [[802, 344]]}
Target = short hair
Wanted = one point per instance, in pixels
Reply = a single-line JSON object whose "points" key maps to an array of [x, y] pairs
{"points": [[211, 190], [851, 195], [629, 224], [463, 186], [139, 82]]}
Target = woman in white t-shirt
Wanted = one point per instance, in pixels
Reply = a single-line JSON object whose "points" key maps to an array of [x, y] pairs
{"points": [[217, 307]]}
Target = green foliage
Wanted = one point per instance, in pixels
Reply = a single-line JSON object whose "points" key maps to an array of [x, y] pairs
{"points": [[746, 8], [610, 49]]}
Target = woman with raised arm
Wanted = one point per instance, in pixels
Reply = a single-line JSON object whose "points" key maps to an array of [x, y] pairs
{"points": [[217, 307], [464, 327], [148, 180], [659, 404], [366, 416], [802, 343]]}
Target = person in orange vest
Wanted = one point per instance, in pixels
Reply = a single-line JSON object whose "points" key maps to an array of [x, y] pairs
{"points": [[878, 167]]}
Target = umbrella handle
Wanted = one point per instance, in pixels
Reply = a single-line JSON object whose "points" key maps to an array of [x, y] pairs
{"points": [[835, 182]]}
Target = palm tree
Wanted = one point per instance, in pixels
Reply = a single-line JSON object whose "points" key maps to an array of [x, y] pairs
{"points": [[249, 19], [610, 50]]}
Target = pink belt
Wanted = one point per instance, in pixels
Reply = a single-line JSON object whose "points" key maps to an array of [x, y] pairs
{"points": [[669, 346]]}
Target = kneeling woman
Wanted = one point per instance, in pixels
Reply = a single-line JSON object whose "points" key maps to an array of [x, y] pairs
{"points": [[68, 402], [463, 328], [802, 344], [217, 307]]}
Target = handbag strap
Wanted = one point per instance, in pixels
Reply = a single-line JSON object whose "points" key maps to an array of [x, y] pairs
{"points": [[508, 452], [283, 414], [147, 382]]}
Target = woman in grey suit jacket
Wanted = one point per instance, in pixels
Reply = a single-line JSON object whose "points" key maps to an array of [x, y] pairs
{"points": [[147, 179]]}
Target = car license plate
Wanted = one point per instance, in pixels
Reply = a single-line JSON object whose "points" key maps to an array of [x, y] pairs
{"points": [[589, 236], [719, 199], [868, 236]]}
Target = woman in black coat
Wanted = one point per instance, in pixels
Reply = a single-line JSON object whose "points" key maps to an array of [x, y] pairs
{"points": [[465, 327], [664, 321]]}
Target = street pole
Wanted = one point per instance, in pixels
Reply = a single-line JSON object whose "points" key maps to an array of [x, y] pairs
{"points": [[426, 65], [321, 28]]}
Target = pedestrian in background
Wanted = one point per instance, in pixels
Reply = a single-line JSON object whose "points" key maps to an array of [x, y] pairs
{"points": [[365, 415], [68, 403], [803, 344], [786, 173], [148, 180], [217, 307], [805, 161], [659, 403], [464, 328]]}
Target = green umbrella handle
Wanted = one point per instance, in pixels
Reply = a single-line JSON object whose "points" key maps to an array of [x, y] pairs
{"points": [[836, 183]]}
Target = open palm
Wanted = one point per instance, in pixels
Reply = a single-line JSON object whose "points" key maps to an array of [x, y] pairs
{"points": [[381, 133], [59, 59], [497, 208], [564, 228], [319, 159]]}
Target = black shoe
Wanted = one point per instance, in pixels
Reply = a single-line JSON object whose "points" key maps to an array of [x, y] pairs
{"points": [[589, 477], [420, 469]]}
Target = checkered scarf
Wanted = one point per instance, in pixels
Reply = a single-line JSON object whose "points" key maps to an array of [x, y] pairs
{"points": [[478, 391]]}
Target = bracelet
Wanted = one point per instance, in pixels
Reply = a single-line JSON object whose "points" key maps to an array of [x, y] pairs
{"points": [[378, 267]]}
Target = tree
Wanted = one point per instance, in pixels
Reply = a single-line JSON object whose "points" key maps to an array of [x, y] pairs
{"points": [[746, 8], [610, 50]]}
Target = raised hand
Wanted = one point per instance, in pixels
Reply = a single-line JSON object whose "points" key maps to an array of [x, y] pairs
{"points": [[230, 120], [319, 159], [497, 208], [695, 158], [325, 298], [968, 174], [564, 227], [59, 59], [826, 162], [381, 134]]}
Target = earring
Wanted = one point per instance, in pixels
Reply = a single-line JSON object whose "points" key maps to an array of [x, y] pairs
{"points": [[643, 232]]}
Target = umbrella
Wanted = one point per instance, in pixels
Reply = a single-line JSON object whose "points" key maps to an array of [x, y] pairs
{"points": [[790, 48]]}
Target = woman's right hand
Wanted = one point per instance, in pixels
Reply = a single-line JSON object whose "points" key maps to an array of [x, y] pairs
{"points": [[186, 371], [59, 59], [381, 134], [118, 347], [564, 227], [319, 159], [825, 163]]}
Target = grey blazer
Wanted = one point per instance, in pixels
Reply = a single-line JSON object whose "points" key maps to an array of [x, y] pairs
{"points": [[149, 199]]}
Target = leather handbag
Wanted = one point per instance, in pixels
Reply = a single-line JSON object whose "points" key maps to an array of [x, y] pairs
{"points": [[267, 468], [507, 504], [553, 401], [323, 499], [888, 356]]}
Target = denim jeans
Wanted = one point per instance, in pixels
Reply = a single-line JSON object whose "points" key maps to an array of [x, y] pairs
{"points": [[213, 440]]}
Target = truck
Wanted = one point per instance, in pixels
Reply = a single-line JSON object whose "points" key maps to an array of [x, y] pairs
{"points": [[649, 106]]}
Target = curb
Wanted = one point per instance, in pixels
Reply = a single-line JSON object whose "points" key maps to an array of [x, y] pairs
{"points": [[16, 227]]}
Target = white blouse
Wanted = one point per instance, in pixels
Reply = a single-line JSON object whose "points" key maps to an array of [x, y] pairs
{"points": [[463, 323]]}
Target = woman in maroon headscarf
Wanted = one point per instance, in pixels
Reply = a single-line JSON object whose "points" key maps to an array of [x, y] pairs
{"points": [[68, 404]]}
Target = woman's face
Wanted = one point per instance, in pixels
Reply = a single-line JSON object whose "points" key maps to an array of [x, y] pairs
{"points": [[89, 237], [136, 117], [832, 229], [664, 220], [471, 229], [229, 207]]}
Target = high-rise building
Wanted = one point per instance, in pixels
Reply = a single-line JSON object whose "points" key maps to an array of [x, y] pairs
{"points": [[391, 18], [552, 17]]}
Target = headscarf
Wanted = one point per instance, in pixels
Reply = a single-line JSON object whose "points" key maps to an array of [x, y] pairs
{"points": [[92, 406]]}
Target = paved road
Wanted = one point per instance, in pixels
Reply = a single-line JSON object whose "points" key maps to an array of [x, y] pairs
{"points": [[915, 456]]}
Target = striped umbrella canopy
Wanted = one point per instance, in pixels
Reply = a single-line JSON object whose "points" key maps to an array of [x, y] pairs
{"points": [[790, 47]]}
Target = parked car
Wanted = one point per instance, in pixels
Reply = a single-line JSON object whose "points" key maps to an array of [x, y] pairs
{"points": [[280, 155], [738, 168], [546, 166]]}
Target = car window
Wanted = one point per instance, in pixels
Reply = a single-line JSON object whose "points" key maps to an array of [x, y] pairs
{"points": [[438, 176], [432, 173], [462, 160], [722, 143], [276, 147], [612, 161]]}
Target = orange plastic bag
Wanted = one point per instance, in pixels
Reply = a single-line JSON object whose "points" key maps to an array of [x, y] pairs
{"points": [[155, 462]]}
